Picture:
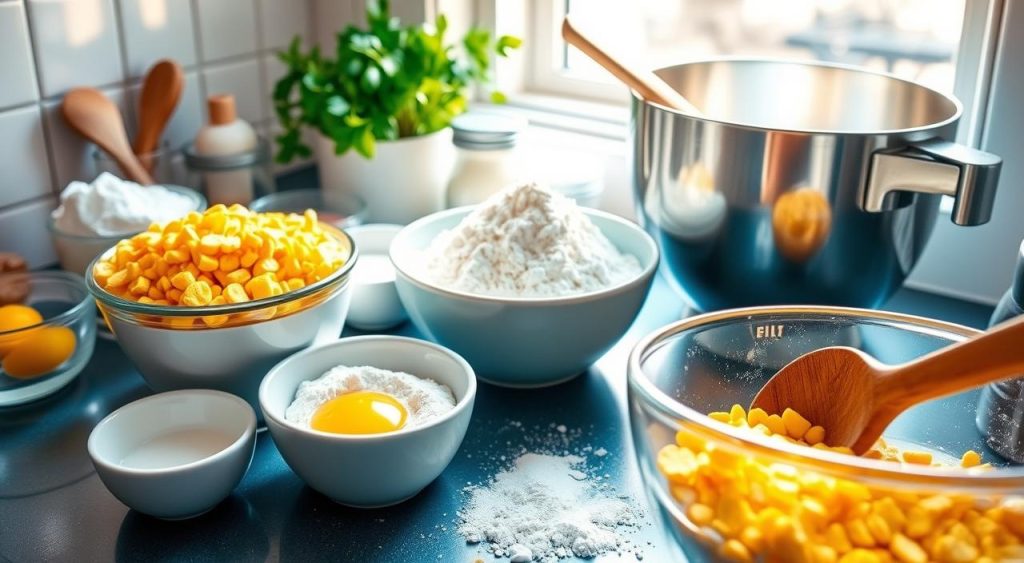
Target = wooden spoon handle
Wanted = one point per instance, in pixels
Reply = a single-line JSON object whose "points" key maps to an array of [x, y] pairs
{"points": [[995, 355], [646, 83], [133, 169]]}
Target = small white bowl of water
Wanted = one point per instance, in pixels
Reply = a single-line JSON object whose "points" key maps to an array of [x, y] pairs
{"points": [[375, 302], [175, 455]]}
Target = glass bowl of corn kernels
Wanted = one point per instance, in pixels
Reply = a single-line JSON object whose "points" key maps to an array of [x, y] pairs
{"points": [[215, 299], [733, 484]]}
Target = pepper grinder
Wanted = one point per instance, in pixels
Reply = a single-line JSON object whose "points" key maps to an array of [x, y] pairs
{"points": [[1001, 406]]}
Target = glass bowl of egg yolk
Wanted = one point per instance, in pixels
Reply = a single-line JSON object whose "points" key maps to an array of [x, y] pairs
{"points": [[738, 485], [47, 338]]}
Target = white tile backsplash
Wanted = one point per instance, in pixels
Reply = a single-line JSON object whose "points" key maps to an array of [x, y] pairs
{"points": [[75, 43], [26, 172], [72, 155], [281, 21], [23, 230], [17, 69], [227, 28], [154, 30], [50, 46], [243, 80]]}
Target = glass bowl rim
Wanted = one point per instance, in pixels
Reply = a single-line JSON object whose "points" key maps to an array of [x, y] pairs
{"points": [[63, 277], [134, 307], [854, 468], [272, 200]]}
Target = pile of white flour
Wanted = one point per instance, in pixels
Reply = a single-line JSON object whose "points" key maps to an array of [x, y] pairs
{"points": [[527, 242], [544, 508], [422, 398]]}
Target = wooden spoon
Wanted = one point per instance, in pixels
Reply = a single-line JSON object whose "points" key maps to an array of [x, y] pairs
{"points": [[161, 91], [644, 82], [855, 397], [97, 119]]}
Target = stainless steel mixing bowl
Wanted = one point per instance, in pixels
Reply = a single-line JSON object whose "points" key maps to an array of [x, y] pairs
{"points": [[803, 183]]}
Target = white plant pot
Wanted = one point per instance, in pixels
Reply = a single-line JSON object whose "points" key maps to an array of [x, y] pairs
{"points": [[404, 181]]}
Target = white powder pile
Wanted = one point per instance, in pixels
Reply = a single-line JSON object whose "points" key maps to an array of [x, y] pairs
{"points": [[527, 242], [545, 508], [422, 398]]}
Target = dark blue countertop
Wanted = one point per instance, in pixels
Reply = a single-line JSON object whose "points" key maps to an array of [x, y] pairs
{"points": [[53, 506]]}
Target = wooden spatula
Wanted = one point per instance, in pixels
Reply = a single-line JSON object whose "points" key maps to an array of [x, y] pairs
{"points": [[855, 397], [644, 82], [97, 119], [161, 91]]}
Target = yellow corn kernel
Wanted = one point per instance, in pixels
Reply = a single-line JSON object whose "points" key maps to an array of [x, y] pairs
{"points": [[210, 244], [197, 294], [208, 263], [262, 287], [117, 279], [736, 413], [239, 276], [775, 424], [859, 534], [920, 458], [265, 265], [214, 321], [907, 550], [879, 528], [756, 416], [155, 293], [815, 435], [182, 280], [139, 287], [228, 262], [700, 514], [235, 293], [970, 458], [837, 538], [796, 425], [719, 416], [821, 554], [176, 256], [734, 550], [248, 258]]}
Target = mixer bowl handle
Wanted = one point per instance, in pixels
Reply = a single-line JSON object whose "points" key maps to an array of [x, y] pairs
{"points": [[936, 166]]}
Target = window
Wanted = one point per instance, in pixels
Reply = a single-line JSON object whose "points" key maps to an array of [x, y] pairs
{"points": [[915, 39]]}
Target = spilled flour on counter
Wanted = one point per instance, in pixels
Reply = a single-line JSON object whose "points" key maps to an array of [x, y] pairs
{"points": [[527, 242], [545, 507]]}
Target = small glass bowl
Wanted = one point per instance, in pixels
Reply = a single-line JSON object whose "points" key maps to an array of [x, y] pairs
{"points": [[342, 211], [62, 300], [76, 252], [709, 362]]}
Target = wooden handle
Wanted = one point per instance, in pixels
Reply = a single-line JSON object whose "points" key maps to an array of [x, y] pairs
{"points": [[133, 169], [995, 355], [644, 82]]}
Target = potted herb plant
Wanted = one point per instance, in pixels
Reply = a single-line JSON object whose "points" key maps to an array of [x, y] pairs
{"points": [[381, 107]]}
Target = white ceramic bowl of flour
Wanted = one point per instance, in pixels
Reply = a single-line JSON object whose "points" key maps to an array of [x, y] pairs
{"points": [[523, 341], [370, 470], [175, 455]]}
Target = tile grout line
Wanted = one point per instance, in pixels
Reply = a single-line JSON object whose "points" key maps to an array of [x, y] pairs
{"points": [[47, 138]]}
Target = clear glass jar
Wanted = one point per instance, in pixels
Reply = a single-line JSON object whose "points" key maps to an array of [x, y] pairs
{"points": [[238, 178], [487, 159], [165, 165]]}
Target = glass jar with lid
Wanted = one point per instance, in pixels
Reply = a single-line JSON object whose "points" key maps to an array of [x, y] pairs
{"points": [[487, 159]]}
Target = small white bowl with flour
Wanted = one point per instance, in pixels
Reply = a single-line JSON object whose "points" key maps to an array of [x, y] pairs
{"points": [[370, 470], [528, 287]]}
